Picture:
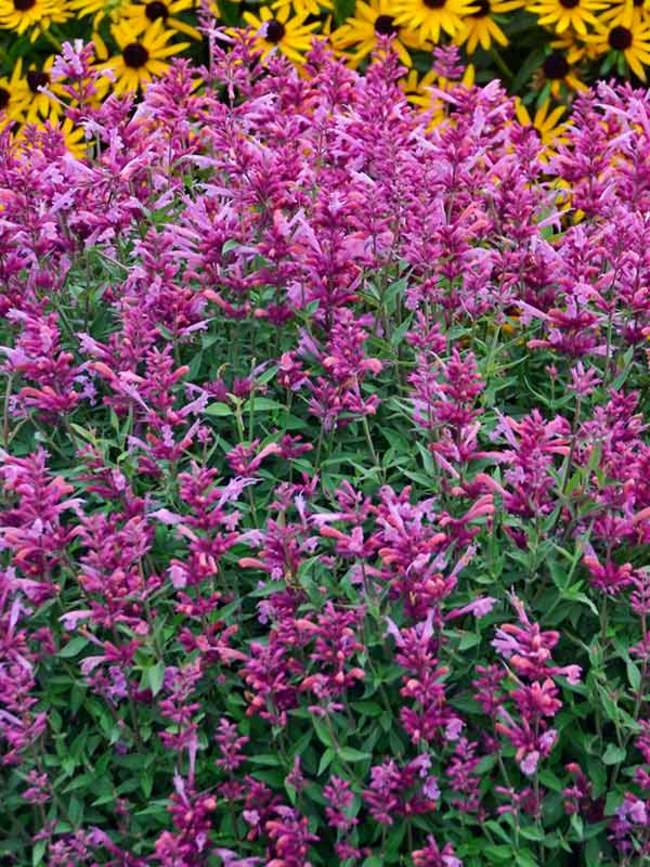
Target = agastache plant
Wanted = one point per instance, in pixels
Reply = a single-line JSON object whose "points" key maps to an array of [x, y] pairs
{"points": [[324, 471]]}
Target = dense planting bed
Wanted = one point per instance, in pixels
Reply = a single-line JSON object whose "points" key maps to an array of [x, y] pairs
{"points": [[325, 477]]}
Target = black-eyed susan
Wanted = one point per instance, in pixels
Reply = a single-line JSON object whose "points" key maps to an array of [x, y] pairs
{"points": [[32, 16], [481, 28], [141, 56], [574, 48], [99, 9], [13, 97], [41, 105], [141, 15], [371, 21], [74, 138], [423, 93], [562, 14], [415, 85], [546, 121], [627, 13], [291, 36], [304, 7], [556, 73], [430, 18], [632, 44]]}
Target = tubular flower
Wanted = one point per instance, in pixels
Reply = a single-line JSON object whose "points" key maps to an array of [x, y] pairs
{"points": [[142, 56], [430, 18], [370, 22]]}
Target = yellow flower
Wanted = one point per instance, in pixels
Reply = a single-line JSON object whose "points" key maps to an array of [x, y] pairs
{"points": [[141, 15], [304, 7], [480, 28], [292, 37], [372, 20], [40, 106], [429, 17], [632, 42], [421, 93], [416, 86], [555, 73], [100, 9], [33, 15], [545, 122], [141, 57], [562, 14], [574, 48], [14, 97], [627, 13], [74, 138]]}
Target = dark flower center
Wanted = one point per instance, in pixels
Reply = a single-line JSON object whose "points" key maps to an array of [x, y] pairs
{"points": [[555, 66], [4, 98], [156, 10], [483, 8], [274, 31], [434, 4], [37, 79], [620, 38], [569, 4], [385, 25], [23, 5], [135, 55], [638, 2]]}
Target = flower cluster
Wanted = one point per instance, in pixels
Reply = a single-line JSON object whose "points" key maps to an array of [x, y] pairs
{"points": [[324, 460]]}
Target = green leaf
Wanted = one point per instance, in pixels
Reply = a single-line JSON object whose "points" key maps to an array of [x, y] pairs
{"points": [[262, 404], [266, 760], [326, 760], [613, 755], [221, 410], [350, 755], [525, 858], [323, 734], [498, 854], [367, 708], [468, 639], [38, 851], [155, 676], [633, 675], [73, 647], [532, 833]]}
